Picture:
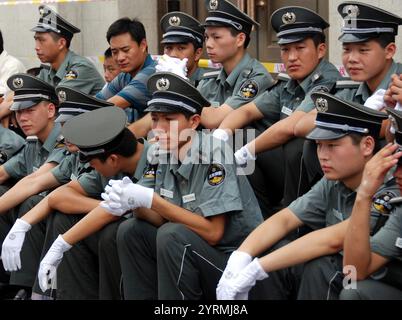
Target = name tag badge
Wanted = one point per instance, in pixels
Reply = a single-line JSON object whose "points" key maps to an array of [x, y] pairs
{"points": [[167, 193], [287, 111], [73, 177], [215, 104], [398, 243], [338, 215], [189, 198]]}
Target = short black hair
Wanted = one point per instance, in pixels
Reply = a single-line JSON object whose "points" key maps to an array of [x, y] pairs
{"points": [[357, 138], [126, 148], [318, 38], [34, 71], [384, 39], [126, 25], [1, 43], [235, 32], [57, 36], [108, 53]]}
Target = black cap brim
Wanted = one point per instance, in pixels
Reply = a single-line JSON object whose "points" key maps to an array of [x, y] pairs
{"points": [[291, 39], [21, 105], [176, 39], [41, 29], [353, 38], [325, 134], [163, 109]]}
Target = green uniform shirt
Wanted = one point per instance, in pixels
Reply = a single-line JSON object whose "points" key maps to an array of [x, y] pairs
{"points": [[360, 94], [76, 72], [35, 154], [10, 143], [94, 183], [206, 183], [198, 75], [70, 168], [248, 80], [288, 96], [331, 202]]}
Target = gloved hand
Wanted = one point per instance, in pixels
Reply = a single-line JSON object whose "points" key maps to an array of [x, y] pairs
{"points": [[221, 135], [239, 287], [237, 261], [125, 196], [12, 244], [174, 65], [243, 155], [49, 264], [376, 101]]}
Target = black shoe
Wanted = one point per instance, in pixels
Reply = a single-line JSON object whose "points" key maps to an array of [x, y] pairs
{"points": [[23, 294]]}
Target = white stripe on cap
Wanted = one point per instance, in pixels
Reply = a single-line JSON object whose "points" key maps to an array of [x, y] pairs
{"points": [[180, 33], [343, 127], [299, 30], [48, 27], [174, 103], [67, 110], [367, 30], [235, 24], [19, 97]]}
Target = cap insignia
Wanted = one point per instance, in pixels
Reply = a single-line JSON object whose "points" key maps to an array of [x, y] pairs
{"points": [[163, 84], [322, 105], [174, 21], [352, 11], [18, 83], [289, 18], [62, 96], [213, 4]]}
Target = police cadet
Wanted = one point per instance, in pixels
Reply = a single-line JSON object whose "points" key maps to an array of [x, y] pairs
{"points": [[344, 130], [302, 41], [113, 152], [35, 104], [183, 37], [10, 143], [24, 268], [127, 40], [53, 35], [241, 78], [381, 253], [368, 39], [191, 208]]}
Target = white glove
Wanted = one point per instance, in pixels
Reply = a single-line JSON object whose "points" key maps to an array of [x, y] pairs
{"points": [[125, 196], [12, 244], [239, 287], [243, 155], [237, 261], [221, 135], [49, 264], [376, 101], [174, 65]]}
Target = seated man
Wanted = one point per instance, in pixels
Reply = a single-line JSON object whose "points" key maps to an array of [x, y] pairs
{"points": [[112, 152], [193, 205], [343, 131], [110, 67]]}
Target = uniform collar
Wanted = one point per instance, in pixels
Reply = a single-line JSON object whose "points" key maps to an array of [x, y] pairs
{"points": [[234, 75], [60, 73], [139, 171], [308, 82], [364, 92], [51, 139]]}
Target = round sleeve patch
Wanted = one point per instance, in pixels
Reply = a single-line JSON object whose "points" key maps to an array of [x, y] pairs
{"points": [[216, 174], [150, 172], [381, 203], [71, 75], [249, 89]]}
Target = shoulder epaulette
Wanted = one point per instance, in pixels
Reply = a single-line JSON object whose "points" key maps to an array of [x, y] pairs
{"points": [[212, 74], [283, 77], [31, 139], [347, 84]]}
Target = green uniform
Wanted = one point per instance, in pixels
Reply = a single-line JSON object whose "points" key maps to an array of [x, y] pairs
{"points": [[70, 168], [197, 76], [10, 143], [100, 276], [206, 184], [326, 204], [278, 172], [35, 154], [350, 91], [75, 72], [248, 80]]}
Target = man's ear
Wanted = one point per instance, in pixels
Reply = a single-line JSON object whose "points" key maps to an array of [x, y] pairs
{"points": [[368, 146]]}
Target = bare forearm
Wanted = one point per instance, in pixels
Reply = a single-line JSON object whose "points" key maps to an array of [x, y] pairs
{"points": [[151, 216], [305, 125], [211, 117], [357, 251], [38, 213], [269, 232], [237, 119], [271, 138], [70, 201], [88, 225], [313, 245]]}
